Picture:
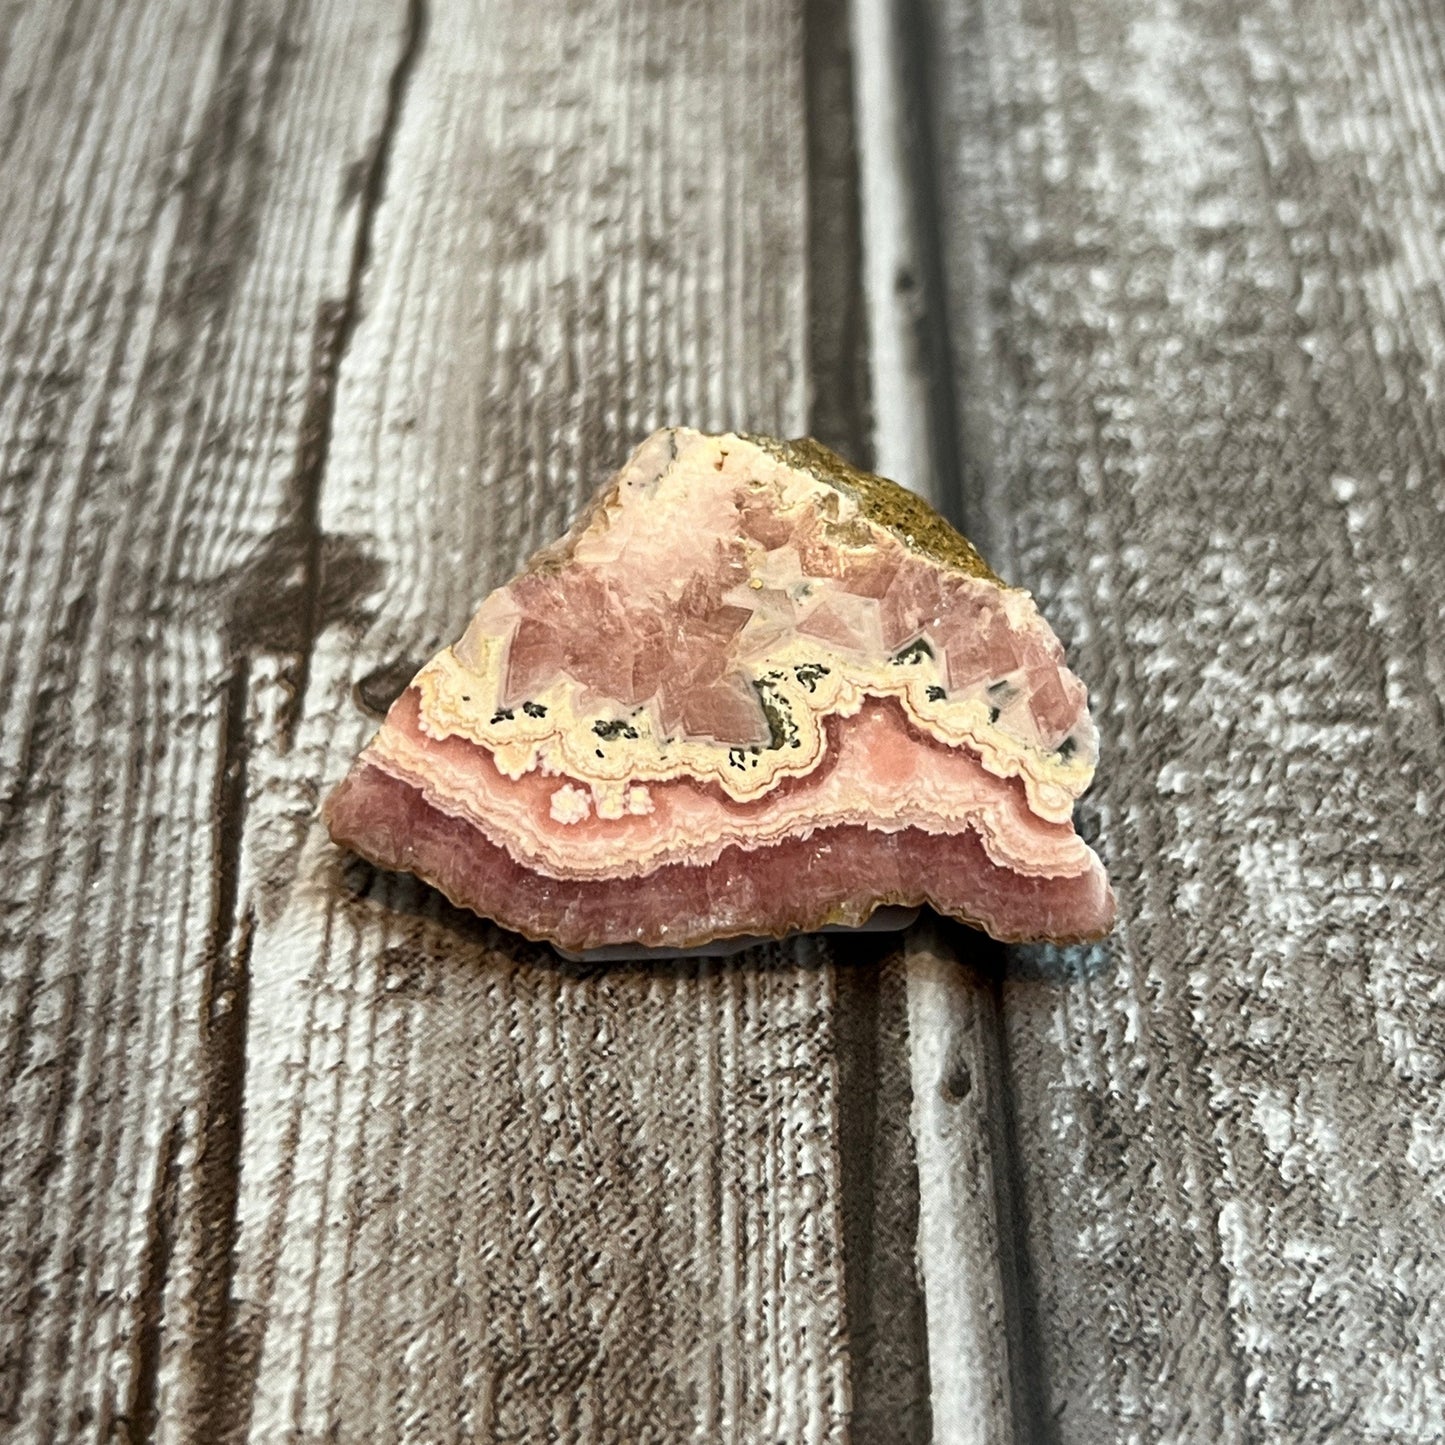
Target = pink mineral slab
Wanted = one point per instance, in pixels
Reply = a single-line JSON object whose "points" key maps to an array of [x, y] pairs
{"points": [[752, 692]]}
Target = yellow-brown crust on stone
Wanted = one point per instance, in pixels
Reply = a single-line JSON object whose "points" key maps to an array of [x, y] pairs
{"points": [[905, 514]]}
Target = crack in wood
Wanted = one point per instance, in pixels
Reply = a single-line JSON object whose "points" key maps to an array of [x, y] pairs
{"points": [[143, 1412], [219, 1353], [882, 1293], [920, 294], [231, 787], [336, 323], [927, 288], [1028, 1382], [841, 412], [218, 224], [883, 1301], [223, 1023]]}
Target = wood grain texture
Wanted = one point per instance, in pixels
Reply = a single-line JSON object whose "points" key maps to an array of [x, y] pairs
{"points": [[317, 319], [162, 262], [522, 1203], [1197, 315]]}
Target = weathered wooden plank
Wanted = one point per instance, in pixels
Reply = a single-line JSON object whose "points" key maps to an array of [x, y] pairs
{"points": [[482, 1194], [1196, 309], [162, 259]]}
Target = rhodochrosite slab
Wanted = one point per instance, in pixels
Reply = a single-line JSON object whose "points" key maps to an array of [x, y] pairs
{"points": [[751, 691]]}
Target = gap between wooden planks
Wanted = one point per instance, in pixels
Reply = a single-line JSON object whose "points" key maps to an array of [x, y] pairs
{"points": [[975, 1284]]}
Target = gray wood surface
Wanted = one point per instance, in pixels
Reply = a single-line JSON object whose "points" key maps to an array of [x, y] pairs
{"points": [[317, 319], [1193, 263]]}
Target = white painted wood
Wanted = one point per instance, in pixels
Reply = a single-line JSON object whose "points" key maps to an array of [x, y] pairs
{"points": [[1197, 302]]}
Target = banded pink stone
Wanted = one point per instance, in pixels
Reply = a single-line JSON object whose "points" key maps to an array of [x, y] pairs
{"points": [[752, 691]]}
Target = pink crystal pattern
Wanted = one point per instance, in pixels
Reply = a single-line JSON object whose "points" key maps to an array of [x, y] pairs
{"points": [[751, 692]]}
